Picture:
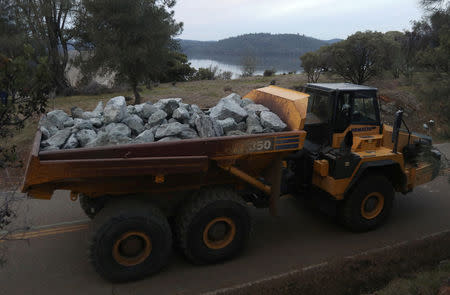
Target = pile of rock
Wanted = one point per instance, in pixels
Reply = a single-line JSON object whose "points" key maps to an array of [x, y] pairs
{"points": [[166, 120]]}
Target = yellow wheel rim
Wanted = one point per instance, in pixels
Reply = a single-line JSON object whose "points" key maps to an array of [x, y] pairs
{"points": [[219, 233], [132, 248], [372, 205]]}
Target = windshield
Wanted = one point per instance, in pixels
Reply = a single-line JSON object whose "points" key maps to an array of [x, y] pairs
{"points": [[318, 108]]}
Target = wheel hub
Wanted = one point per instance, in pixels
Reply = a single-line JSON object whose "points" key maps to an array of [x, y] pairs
{"points": [[219, 233], [132, 248], [372, 205]]}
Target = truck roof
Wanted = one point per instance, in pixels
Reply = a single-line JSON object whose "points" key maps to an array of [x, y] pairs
{"points": [[339, 86]]}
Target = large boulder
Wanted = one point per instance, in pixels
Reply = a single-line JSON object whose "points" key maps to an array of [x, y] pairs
{"points": [[228, 124], [168, 105], [82, 124], [144, 137], [245, 102], [115, 110], [58, 139], [272, 121], [228, 108], [99, 108], [48, 126], [85, 136], [71, 143], [181, 114], [118, 133], [96, 122], [76, 112], [58, 118], [205, 126], [253, 124], [233, 97], [175, 129], [255, 108], [156, 118], [145, 110], [135, 123]]}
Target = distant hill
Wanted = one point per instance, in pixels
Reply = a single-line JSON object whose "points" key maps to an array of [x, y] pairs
{"points": [[261, 44]]}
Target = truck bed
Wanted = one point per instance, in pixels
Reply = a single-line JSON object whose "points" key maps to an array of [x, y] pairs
{"points": [[163, 165]]}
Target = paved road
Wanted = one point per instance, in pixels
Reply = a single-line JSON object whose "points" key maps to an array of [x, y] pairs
{"points": [[54, 261]]}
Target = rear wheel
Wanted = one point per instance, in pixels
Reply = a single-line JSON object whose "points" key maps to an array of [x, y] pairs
{"points": [[368, 205], [214, 226], [130, 241]]}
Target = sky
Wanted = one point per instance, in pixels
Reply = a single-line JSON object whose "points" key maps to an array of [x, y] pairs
{"points": [[322, 19]]}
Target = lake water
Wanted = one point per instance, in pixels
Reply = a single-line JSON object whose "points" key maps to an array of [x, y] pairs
{"points": [[233, 64]]}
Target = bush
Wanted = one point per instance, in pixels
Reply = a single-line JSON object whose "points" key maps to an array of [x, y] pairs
{"points": [[206, 73], [226, 75], [269, 73]]}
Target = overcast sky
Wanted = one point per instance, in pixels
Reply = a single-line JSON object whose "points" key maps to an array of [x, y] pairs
{"points": [[322, 19]]}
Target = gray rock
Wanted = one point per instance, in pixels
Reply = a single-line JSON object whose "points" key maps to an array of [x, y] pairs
{"points": [[99, 108], [51, 128], [69, 123], [169, 138], [188, 133], [90, 115], [228, 124], [192, 119], [218, 130], [115, 110], [242, 126], [204, 125], [76, 112], [96, 122], [146, 110], [246, 102], [58, 139], [131, 110], [71, 143], [228, 108], [135, 123], [85, 136], [82, 124], [172, 120], [235, 133], [58, 118], [102, 139], [156, 118], [253, 124], [146, 136], [118, 133], [170, 129], [181, 114], [272, 121], [168, 105], [233, 97], [196, 109], [255, 108], [268, 130]]}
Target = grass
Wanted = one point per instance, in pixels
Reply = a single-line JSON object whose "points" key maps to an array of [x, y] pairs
{"points": [[422, 283]]}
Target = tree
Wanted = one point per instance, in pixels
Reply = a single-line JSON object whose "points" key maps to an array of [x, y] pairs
{"points": [[313, 65], [47, 25], [248, 65], [178, 68], [25, 82], [130, 38], [360, 57]]}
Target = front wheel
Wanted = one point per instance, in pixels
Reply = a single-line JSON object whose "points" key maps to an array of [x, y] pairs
{"points": [[130, 241], [368, 205]]}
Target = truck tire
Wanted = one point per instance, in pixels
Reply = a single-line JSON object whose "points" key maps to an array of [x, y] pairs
{"points": [[91, 206], [213, 226], [130, 240], [368, 205]]}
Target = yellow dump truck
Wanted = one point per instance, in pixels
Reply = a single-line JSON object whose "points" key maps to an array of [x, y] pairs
{"points": [[334, 143]]}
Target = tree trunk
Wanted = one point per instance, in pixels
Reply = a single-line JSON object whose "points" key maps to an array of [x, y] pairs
{"points": [[137, 96]]}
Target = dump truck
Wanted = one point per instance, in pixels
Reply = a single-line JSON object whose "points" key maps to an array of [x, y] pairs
{"points": [[196, 193]]}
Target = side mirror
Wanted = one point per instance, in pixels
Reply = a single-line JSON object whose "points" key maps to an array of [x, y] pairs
{"points": [[396, 128]]}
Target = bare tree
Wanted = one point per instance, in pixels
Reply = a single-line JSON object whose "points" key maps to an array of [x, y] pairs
{"points": [[248, 65]]}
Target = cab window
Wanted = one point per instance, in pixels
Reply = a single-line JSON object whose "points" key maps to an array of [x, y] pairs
{"points": [[363, 110], [318, 108]]}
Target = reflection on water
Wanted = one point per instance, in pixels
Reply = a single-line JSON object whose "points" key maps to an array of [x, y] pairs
{"points": [[233, 64]]}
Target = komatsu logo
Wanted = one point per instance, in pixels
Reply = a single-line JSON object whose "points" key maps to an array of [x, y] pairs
{"points": [[363, 129]]}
